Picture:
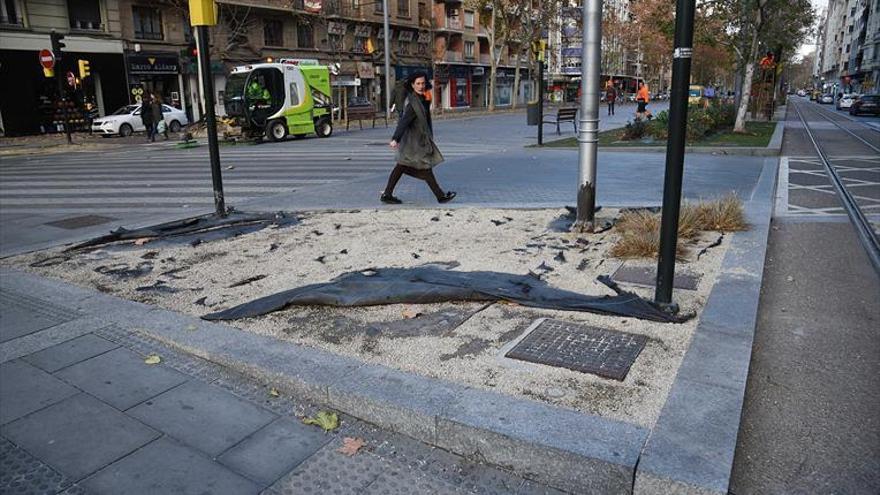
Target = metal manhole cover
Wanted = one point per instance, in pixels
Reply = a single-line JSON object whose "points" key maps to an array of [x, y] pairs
{"points": [[80, 222], [647, 276], [583, 348]]}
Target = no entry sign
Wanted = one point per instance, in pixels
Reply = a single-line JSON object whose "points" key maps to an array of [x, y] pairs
{"points": [[47, 59]]}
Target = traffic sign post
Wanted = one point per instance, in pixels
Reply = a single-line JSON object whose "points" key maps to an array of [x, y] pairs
{"points": [[47, 59]]}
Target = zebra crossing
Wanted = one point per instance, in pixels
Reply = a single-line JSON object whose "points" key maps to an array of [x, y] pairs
{"points": [[158, 178]]}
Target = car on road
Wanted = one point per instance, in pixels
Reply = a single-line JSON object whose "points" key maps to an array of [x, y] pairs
{"points": [[866, 104], [127, 120], [826, 99], [846, 101]]}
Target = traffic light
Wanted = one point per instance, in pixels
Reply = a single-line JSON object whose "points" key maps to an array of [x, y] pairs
{"points": [[57, 44], [84, 69]]}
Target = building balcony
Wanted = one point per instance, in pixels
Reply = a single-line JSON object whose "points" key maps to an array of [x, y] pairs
{"points": [[453, 56], [450, 24], [485, 58]]}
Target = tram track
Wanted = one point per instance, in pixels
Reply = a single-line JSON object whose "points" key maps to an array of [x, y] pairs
{"points": [[864, 229]]}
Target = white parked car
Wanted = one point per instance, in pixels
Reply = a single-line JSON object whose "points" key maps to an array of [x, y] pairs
{"points": [[846, 100], [127, 120]]}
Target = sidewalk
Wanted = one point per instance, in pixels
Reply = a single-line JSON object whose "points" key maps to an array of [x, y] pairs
{"points": [[83, 413]]}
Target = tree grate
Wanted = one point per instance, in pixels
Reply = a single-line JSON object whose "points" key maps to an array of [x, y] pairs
{"points": [[583, 348]]}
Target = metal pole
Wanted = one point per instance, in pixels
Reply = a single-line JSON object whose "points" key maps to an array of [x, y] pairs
{"points": [[541, 100], [63, 102], [213, 149], [588, 131], [387, 40], [681, 75]]}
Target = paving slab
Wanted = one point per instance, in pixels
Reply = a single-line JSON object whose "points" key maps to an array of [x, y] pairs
{"points": [[23, 473], [274, 450], [48, 337], [121, 378], [25, 389], [203, 416], [329, 471], [165, 467], [71, 352], [23, 315], [79, 435]]}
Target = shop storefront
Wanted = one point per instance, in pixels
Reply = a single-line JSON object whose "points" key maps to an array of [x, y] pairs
{"points": [[157, 74]]}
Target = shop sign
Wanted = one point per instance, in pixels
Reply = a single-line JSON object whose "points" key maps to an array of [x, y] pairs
{"points": [[336, 27], [366, 70], [313, 6], [137, 93], [346, 81], [479, 71], [362, 31], [153, 65], [572, 52]]}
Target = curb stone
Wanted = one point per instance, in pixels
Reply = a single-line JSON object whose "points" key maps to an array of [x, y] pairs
{"points": [[691, 448]]}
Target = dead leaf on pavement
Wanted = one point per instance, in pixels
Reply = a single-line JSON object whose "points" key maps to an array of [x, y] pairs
{"points": [[274, 392], [192, 328], [153, 359], [351, 446], [327, 420]]}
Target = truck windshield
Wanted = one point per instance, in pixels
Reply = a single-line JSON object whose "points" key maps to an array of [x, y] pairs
{"points": [[235, 85]]}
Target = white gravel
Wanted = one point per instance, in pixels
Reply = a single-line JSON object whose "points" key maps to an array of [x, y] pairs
{"points": [[431, 344]]}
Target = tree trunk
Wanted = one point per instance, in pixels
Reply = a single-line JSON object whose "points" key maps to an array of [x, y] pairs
{"points": [[516, 84], [740, 125], [493, 64]]}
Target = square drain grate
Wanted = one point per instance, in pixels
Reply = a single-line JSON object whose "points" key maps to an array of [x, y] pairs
{"points": [[74, 223], [583, 348], [647, 276]]}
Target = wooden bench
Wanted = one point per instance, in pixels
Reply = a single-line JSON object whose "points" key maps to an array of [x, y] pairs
{"points": [[564, 114], [361, 113]]}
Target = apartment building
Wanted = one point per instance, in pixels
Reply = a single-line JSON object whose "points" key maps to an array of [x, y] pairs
{"points": [[850, 47]]}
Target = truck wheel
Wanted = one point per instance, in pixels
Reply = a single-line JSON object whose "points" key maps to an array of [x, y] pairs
{"points": [[323, 127], [277, 130]]}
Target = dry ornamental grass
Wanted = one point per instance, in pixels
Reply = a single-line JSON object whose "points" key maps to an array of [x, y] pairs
{"points": [[639, 230]]}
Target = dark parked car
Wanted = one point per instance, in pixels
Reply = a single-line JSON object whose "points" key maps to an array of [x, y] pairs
{"points": [[866, 104]]}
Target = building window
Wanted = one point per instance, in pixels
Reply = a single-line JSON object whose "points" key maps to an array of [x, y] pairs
{"points": [[404, 47], [377, 4], [355, 5], [147, 23], [273, 32], [469, 49], [11, 13], [305, 36], [337, 42], [468, 18], [360, 44], [84, 14], [403, 8]]}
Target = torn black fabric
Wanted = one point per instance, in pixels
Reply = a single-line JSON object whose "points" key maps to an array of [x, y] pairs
{"points": [[217, 226], [436, 283]]}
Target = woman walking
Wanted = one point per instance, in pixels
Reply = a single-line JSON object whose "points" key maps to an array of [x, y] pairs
{"points": [[158, 119], [414, 141]]}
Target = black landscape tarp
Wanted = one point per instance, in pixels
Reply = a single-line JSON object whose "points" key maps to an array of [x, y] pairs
{"points": [[436, 283]]}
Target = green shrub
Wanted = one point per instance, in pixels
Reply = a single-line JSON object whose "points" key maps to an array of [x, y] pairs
{"points": [[662, 117], [699, 123], [658, 129], [634, 130]]}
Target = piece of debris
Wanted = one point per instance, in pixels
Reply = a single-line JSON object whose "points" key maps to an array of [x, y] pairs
{"points": [[337, 226], [273, 246], [545, 267], [448, 214], [351, 446], [153, 359], [196, 242], [157, 286], [320, 259], [583, 265], [247, 281], [327, 420], [344, 251], [317, 233], [201, 301], [416, 256], [231, 167], [191, 328], [497, 222], [435, 219], [715, 243], [274, 392], [142, 240], [411, 313], [149, 255], [560, 257]]}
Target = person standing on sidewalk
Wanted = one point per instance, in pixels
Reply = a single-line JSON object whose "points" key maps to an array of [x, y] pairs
{"points": [[642, 98], [147, 114], [413, 139], [156, 110], [610, 96]]}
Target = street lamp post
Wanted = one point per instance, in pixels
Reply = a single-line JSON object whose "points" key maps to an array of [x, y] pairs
{"points": [[588, 131], [681, 74]]}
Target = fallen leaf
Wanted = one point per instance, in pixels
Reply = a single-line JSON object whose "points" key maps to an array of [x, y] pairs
{"points": [[141, 241], [192, 328], [274, 392], [411, 313], [327, 420], [153, 359], [351, 446]]}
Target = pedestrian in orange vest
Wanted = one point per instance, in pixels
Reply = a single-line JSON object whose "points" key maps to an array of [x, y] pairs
{"points": [[642, 98]]}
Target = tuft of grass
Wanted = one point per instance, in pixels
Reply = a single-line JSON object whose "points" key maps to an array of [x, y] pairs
{"points": [[725, 214], [639, 230]]}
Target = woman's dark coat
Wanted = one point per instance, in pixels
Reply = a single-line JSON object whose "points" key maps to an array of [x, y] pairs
{"points": [[146, 112], [415, 135]]}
